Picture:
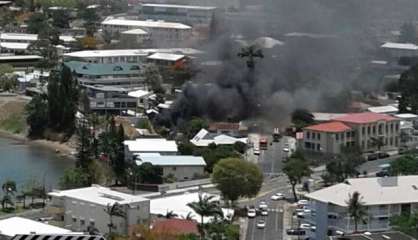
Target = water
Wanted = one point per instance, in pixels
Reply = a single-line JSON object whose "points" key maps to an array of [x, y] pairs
{"points": [[24, 163]]}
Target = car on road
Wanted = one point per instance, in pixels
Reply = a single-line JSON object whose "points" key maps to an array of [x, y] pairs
{"points": [[277, 196], [296, 232], [261, 223], [251, 213], [383, 155], [263, 205], [285, 149], [264, 212], [372, 157], [307, 226], [301, 203]]}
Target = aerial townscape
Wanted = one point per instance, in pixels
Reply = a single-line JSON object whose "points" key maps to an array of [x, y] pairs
{"points": [[209, 120]]}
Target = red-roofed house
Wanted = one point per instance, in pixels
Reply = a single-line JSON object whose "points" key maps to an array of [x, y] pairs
{"points": [[370, 131], [175, 226]]}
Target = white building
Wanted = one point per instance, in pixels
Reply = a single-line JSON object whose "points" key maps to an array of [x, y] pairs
{"points": [[142, 97], [169, 33], [124, 55], [16, 226], [178, 205], [149, 145], [19, 42], [383, 198], [398, 50], [187, 14], [180, 167], [204, 138], [389, 109], [86, 207]]}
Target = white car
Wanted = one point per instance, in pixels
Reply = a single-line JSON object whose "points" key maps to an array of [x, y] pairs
{"points": [[277, 196], [263, 205], [251, 213], [302, 203], [261, 223], [285, 149], [264, 212], [305, 226]]}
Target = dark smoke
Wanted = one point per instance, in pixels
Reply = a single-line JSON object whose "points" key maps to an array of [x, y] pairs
{"points": [[316, 71]]}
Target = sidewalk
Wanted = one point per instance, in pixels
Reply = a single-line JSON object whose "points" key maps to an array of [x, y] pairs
{"points": [[287, 220], [243, 223]]}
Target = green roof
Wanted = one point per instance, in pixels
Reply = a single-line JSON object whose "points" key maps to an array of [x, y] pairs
{"points": [[86, 68]]}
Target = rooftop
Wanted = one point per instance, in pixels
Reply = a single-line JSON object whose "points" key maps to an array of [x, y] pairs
{"points": [[178, 6], [145, 24], [178, 204], [324, 117], [364, 117], [17, 225], [384, 109], [139, 93], [203, 138], [103, 68], [171, 160], [401, 46], [98, 195], [136, 31], [132, 52], [329, 127], [14, 45], [20, 57], [393, 235], [176, 226], [18, 36], [151, 145], [374, 191], [406, 115], [166, 56]]}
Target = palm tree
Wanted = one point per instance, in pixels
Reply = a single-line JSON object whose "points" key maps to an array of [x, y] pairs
{"points": [[189, 216], [170, 214], [114, 210], [205, 207], [9, 187], [250, 53], [356, 209]]}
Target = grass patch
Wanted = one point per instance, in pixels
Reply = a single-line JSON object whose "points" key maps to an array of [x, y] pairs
{"points": [[14, 123]]}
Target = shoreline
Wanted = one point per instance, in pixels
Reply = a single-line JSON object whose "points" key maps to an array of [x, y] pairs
{"points": [[59, 149]]}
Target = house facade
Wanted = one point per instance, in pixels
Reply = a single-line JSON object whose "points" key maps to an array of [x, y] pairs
{"points": [[84, 207], [367, 130], [382, 199]]}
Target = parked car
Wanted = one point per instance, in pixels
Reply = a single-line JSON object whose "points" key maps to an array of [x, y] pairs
{"points": [[296, 232], [251, 213], [263, 205], [261, 223], [277, 196], [307, 226], [383, 155], [264, 212], [372, 157], [301, 203], [285, 149]]}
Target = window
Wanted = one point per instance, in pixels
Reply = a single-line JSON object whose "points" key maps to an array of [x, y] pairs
{"points": [[380, 129], [74, 219], [336, 136], [368, 130], [82, 222], [92, 223], [391, 127], [318, 147], [363, 130], [397, 126], [353, 134], [348, 134], [308, 135], [374, 130], [319, 136], [307, 145], [313, 135]]}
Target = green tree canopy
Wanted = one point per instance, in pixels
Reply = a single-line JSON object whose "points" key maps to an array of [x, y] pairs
{"points": [[301, 118], [148, 173], [237, 178], [74, 178], [296, 168], [37, 23], [405, 165], [37, 115], [406, 223]]}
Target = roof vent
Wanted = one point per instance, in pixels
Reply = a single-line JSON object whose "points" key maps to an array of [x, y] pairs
{"points": [[385, 237]]}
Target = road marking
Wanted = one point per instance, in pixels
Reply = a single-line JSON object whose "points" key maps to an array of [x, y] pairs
{"points": [[253, 229]]}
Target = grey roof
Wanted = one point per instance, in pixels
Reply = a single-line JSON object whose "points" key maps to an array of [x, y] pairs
{"points": [[393, 235]]}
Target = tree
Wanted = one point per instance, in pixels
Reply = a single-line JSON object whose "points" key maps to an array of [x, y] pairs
{"points": [[408, 87], [60, 18], [206, 206], [37, 115], [85, 155], [37, 22], [6, 201], [296, 168], [302, 118], [408, 33], [344, 165], [148, 173], [8, 80], [74, 178], [114, 210], [405, 165], [63, 96], [356, 209], [119, 164], [237, 178], [153, 78], [406, 223], [9, 187], [170, 214], [377, 142]]}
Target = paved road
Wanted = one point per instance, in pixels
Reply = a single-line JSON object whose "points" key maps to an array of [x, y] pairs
{"points": [[274, 222], [271, 160]]}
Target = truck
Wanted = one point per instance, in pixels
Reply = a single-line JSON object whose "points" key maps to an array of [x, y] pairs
{"points": [[263, 143], [276, 135]]}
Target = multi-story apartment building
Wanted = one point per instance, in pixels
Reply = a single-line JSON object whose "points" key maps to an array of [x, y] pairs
{"points": [[84, 207], [110, 99], [187, 14], [19, 42], [382, 198], [367, 130], [124, 75], [160, 32]]}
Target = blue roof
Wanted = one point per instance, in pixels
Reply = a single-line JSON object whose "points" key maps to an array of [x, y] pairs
{"points": [[166, 160], [86, 68]]}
